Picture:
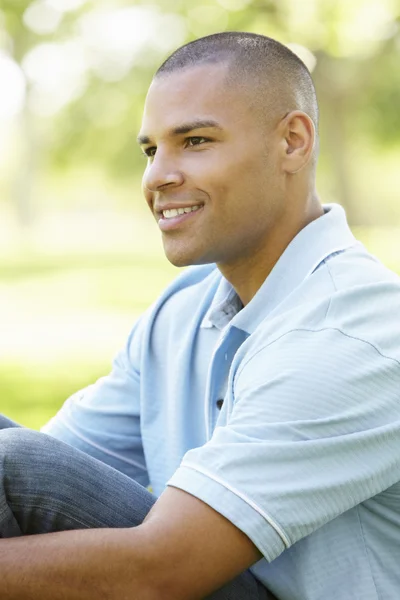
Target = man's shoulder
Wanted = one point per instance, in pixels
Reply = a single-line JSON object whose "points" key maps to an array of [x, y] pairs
{"points": [[366, 301], [351, 293], [357, 266]]}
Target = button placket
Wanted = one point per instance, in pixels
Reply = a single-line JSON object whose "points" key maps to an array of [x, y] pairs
{"points": [[218, 376]]}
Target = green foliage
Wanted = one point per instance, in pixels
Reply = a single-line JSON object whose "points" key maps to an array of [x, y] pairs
{"points": [[356, 45], [32, 395], [379, 107], [100, 126]]}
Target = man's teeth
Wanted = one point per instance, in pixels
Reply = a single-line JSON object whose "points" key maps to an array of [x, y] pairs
{"points": [[174, 212]]}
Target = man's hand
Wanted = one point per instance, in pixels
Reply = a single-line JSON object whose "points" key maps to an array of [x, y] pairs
{"points": [[184, 550]]}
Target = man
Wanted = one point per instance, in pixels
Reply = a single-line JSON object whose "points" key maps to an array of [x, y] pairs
{"points": [[259, 396]]}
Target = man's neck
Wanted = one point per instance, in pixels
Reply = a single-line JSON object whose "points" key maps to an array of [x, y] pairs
{"points": [[249, 273]]}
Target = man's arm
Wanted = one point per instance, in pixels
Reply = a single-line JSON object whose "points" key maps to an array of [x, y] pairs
{"points": [[184, 550]]}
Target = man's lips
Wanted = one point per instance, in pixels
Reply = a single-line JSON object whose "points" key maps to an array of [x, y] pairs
{"points": [[159, 208], [168, 222]]}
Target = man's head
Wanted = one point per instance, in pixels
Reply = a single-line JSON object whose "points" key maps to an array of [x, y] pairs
{"points": [[272, 73], [229, 130]]}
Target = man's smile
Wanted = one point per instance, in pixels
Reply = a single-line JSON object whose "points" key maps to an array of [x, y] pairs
{"points": [[174, 212], [171, 218]]}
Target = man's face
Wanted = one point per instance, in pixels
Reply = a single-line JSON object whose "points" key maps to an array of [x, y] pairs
{"points": [[212, 180]]}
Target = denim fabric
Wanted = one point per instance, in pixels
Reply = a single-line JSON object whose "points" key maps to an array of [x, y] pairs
{"points": [[46, 486]]}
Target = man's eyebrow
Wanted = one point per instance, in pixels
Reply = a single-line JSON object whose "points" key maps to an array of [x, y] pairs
{"points": [[199, 124], [184, 128]]}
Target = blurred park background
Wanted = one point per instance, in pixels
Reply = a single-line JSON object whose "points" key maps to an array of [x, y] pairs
{"points": [[80, 257]]}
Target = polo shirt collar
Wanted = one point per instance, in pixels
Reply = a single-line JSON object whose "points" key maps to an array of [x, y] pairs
{"points": [[327, 235]]}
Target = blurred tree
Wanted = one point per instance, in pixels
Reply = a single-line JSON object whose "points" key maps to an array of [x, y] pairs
{"points": [[113, 50], [356, 46]]}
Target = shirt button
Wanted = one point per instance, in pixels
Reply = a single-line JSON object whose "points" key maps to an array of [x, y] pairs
{"points": [[220, 402]]}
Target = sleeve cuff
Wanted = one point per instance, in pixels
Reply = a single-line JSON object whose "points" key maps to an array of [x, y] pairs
{"points": [[238, 509]]}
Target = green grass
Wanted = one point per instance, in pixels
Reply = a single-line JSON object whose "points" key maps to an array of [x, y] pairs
{"points": [[62, 322], [32, 395], [64, 317]]}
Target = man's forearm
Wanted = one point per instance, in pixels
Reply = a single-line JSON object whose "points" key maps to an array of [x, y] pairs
{"points": [[183, 550], [77, 565]]}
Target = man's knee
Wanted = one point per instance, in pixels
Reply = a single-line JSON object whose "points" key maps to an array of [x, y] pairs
{"points": [[15, 438], [21, 448]]}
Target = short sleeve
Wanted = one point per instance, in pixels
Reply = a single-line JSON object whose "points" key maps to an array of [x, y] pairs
{"points": [[312, 428], [103, 419]]}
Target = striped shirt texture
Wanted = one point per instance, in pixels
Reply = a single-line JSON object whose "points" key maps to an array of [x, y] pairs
{"points": [[284, 415]]}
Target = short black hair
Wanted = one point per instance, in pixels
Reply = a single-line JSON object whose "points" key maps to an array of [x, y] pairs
{"points": [[268, 62]]}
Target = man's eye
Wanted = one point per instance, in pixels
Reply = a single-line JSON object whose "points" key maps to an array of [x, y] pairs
{"points": [[196, 140], [150, 152]]}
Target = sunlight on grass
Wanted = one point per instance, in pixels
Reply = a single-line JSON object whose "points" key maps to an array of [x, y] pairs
{"points": [[65, 315], [32, 394]]}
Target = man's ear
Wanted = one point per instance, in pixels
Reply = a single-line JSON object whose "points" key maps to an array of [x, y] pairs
{"points": [[298, 141]]}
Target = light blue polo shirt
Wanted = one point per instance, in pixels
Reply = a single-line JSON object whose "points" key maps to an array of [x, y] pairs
{"points": [[304, 455]]}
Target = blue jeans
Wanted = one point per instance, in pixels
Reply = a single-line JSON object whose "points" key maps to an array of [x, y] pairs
{"points": [[46, 486]]}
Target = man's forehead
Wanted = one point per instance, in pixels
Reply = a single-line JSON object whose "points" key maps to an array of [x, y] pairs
{"points": [[198, 93]]}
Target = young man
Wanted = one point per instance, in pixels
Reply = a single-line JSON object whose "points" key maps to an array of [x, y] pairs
{"points": [[259, 396]]}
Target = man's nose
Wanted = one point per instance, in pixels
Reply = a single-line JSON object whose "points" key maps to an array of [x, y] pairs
{"points": [[160, 173]]}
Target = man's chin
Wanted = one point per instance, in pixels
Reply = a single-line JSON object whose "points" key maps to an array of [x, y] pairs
{"points": [[183, 262], [183, 259]]}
